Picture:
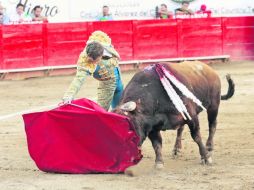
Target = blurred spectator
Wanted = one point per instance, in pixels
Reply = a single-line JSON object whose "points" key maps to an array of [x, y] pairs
{"points": [[36, 14], [4, 19], [184, 10], [105, 14], [20, 16], [163, 12], [203, 10]]}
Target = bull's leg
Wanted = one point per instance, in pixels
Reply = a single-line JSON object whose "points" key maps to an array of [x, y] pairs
{"points": [[178, 144], [195, 134], [155, 137], [212, 119]]}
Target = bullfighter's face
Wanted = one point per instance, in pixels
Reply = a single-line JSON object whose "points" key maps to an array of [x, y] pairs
{"points": [[94, 51], [94, 61], [138, 119]]}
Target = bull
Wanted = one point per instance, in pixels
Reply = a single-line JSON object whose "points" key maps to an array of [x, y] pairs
{"points": [[148, 106]]}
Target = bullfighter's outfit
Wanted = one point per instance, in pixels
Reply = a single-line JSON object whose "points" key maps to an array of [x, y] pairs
{"points": [[106, 71]]}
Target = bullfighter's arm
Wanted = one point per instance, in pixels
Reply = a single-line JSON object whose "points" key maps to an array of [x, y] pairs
{"points": [[84, 69], [75, 85]]}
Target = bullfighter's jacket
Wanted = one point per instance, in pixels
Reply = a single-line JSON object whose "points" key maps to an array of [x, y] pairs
{"points": [[102, 71]]}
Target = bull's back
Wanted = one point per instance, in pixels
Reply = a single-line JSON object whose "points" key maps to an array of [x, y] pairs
{"points": [[193, 71], [196, 76], [200, 78]]}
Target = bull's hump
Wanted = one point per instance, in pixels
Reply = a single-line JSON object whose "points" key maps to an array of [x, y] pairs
{"points": [[191, 68], [187, 67]]}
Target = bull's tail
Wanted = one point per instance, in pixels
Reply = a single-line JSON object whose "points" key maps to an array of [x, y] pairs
{"points": [[231, 88]]}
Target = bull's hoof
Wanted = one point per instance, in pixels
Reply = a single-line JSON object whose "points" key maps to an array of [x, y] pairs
{"points": [[207, 161], [176, 153], [159, 165]]}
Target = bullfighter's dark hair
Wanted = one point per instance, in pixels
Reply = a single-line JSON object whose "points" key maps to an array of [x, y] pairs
{"points": [[94, 50]]}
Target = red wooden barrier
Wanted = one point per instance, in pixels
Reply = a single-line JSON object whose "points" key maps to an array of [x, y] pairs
{"points": [[1, 48], [199, 37], [57, 44], [22, 46], [238, 34], [154, 39], [121, 33], [64, 42]]}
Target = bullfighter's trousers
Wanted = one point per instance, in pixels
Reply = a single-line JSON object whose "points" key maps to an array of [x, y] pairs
{"points": [[110, 91]]}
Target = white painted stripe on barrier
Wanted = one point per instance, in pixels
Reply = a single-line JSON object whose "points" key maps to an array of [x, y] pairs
{"points": [[121, 63]]}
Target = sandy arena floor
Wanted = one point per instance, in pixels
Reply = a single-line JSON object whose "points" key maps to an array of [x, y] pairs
{"points": [[233, 157]]}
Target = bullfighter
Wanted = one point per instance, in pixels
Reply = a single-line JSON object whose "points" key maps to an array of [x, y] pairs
{"points": [[100, 60]]}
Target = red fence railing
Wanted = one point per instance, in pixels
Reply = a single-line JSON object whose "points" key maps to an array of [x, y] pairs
{"points": [[238, 36], [55, 44], [1, 48]]}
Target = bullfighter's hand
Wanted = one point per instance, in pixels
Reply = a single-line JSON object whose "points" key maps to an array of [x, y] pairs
{"points": [[66, 101]]}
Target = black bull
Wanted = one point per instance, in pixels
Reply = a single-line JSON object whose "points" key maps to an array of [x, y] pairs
{"points": [[150, 109]]}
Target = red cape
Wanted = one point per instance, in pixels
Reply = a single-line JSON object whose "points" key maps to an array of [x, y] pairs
{"points": [[71, 139]]}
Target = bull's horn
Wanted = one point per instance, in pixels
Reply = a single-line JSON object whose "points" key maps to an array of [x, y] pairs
{"points": [[128, 106]]}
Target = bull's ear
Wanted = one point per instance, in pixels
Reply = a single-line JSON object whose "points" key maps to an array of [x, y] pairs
{"points": [[128, 106]]}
